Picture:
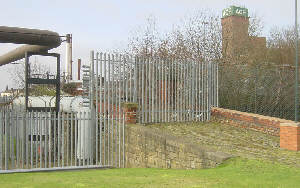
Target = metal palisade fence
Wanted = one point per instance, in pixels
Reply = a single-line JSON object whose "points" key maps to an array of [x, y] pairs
{"points": [[264, 89], [34, 141], [166, 90]]}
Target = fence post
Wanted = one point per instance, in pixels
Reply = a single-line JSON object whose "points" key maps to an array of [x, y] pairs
{"points": [[6, 128], [296, 64], [1, 137], [92, 106], [135, 72], [255, 90]]}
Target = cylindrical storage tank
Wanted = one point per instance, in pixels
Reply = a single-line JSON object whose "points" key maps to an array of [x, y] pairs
{"points": [[68, 105]]}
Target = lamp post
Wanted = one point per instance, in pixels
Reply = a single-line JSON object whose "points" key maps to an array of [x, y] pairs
{"points": [[296, 65]]}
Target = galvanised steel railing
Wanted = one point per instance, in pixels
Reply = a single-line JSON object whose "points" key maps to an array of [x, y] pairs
{"points": [[35, 141], [166, 90]]}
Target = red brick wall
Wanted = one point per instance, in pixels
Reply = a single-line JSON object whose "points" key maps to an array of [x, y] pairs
{"points": [[266, 124], [288, 131], [130, 114], [290, 136]]}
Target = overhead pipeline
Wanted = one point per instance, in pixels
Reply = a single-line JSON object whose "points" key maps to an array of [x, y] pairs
{"points": [[35, 40]]}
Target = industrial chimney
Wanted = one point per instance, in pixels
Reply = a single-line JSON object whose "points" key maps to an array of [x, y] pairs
{"points": [[68, 65], [78, 68]]}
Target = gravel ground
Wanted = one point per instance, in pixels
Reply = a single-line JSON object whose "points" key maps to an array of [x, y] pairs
{"points": [[232, 140]]}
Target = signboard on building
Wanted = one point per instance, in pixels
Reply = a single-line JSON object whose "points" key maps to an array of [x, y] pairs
{"points": [[235, 11]]}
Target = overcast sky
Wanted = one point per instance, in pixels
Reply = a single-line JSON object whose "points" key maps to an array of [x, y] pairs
{"points": [[103, 25]]}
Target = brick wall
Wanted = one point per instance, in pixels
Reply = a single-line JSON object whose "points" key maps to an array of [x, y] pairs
{"points": [[288, 130], [130, 113], [266, 124], [290, 136], [146, 147]]}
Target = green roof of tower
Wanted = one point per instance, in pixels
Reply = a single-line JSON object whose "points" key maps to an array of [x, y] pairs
{"points": [[235, 11]]}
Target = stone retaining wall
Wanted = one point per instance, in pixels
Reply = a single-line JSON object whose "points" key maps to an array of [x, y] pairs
{"points": [[146, 147]]}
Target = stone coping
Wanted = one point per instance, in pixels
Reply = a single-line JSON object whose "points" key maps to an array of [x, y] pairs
{"points": [[293, 124]]}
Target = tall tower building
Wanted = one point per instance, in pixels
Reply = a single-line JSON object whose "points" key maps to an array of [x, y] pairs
{"points": [[237, 45], [235, 23]]}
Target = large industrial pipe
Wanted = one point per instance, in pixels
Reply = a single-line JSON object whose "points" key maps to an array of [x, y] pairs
{"points": [[36, 40]]}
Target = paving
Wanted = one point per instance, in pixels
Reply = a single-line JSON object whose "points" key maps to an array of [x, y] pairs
{"points": [[232, 140]]}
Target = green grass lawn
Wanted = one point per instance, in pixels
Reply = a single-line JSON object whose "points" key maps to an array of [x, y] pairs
{"points": [[234, 173]]}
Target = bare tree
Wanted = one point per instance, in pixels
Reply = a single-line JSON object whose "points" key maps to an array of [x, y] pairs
{"points": [[281, 46], [198, 36], [256, 25], [144, 40]]}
